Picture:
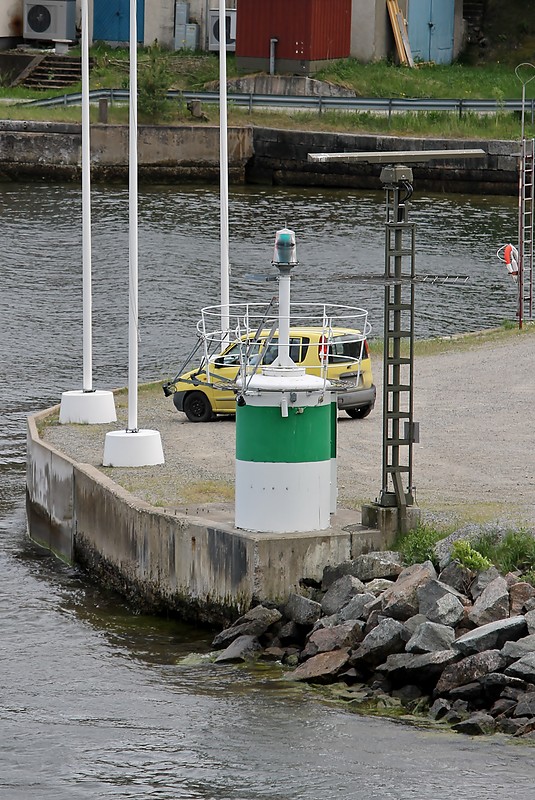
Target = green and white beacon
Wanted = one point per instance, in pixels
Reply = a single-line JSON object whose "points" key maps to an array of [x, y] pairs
{"points": [[283, 432]]}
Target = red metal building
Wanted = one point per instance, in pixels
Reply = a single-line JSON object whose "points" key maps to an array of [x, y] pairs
{"points": [[300, 36]]}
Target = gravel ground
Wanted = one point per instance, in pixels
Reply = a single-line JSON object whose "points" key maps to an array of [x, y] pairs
{"points": [[475, 461]]}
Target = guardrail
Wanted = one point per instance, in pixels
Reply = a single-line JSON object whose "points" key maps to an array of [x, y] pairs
{"points": [[392, 105]]}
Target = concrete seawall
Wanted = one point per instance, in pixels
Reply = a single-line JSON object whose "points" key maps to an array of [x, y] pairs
{"points": [[166, 153], [280, 157], [197, 565], [256, 155]]}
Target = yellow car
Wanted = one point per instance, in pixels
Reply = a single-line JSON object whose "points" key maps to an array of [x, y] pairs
{"points": [[344, 356]]}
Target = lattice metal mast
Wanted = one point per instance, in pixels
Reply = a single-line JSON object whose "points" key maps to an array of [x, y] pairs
{"points": [[400, 431], [398, 354]]}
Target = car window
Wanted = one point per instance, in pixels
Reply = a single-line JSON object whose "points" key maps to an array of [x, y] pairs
{"points": [[298, 350], [344, 349]]}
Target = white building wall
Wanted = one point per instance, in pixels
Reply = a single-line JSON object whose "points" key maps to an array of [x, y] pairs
{"points": [[10, 18], [159, 22], [371, 35]]}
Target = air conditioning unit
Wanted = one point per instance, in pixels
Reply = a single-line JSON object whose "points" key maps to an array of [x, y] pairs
{"points": [[49, 21], [213, 29]]}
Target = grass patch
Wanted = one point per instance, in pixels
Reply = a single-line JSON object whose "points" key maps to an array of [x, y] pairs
{"points": [[459, 343], [186, 70], [383, 79], [455, 515], [207, 492], [432, 124], [152, 388], [514, 551], [45, 422]]}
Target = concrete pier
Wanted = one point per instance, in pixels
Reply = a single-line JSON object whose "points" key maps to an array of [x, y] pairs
{"points": [[191, 561]]}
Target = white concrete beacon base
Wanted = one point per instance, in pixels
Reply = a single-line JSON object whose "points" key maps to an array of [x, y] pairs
{"points": [[141, 448], [89, 408]]}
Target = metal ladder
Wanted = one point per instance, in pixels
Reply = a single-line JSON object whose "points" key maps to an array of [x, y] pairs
{"points": [[526, 199], [398, 359]]}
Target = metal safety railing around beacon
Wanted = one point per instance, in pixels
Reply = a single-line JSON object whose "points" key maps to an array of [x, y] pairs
{"points": [[252, 339]]}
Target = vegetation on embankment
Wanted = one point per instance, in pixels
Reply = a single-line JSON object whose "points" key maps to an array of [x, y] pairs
{"points": [[507, 549], [160, 70], [507, 332]]}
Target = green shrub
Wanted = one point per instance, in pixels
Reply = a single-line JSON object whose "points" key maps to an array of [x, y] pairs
{"points": [[418, 545], [463, 552], [154, 81]]}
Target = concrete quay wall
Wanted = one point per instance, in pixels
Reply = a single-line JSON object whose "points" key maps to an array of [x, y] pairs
{"points": [[174, 153], [256, 155], [280, 157], [203, 569]]}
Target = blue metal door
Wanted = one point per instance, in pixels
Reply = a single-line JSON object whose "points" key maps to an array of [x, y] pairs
{"points": [[111, 20], [430, 29]]}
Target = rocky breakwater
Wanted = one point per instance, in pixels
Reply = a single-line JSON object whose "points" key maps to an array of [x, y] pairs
{"points": [[458, 646]]}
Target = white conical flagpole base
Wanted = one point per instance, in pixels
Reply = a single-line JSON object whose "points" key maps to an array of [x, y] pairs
{"points": [[87, 408], [141, 448]]}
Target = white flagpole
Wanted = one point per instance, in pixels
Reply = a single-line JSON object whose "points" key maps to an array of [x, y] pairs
{"points": [[223, 172], [132, 447], [86, 208], [132, 229], [86, 406]]}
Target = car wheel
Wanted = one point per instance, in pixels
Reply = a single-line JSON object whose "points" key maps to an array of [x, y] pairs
{"points": [[359, 413], [197, 407]]}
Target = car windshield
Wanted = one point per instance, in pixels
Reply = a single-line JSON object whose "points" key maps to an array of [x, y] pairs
{"points": [[234, 354]]}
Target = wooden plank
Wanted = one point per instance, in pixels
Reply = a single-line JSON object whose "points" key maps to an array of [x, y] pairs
{"points": [[393, 11], [405, 38]]}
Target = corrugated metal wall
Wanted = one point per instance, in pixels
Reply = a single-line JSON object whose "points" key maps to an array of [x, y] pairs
{"points": [[306, 29]]}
